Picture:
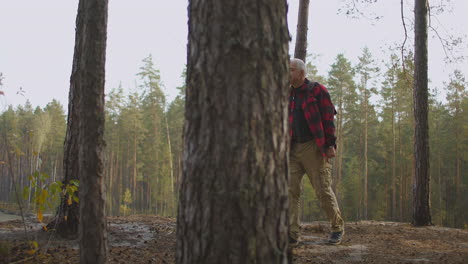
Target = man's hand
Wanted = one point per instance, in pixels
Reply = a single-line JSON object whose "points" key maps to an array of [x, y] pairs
{"points": [[331, 153]]}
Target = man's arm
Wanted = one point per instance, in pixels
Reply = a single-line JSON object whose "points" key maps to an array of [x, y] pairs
{"points": [[327, 114]]}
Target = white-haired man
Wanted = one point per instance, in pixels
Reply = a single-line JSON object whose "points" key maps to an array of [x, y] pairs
{"points": [[312, 131]]}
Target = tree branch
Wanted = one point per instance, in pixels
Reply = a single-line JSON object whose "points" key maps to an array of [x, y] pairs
{"points": [[406, 36]]}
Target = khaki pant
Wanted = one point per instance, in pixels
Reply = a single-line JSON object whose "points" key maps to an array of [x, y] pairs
{"points": [[307, 158]]}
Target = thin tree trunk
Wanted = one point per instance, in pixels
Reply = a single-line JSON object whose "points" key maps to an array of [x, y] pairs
{"points": [[394, 200], [340, 148], [111, 180], [421, 183], [401, 180], [171, 168], [134, 186], [233, 198], [300, 51], [439, 178], [118, 187], [458, 211], [366, 203]]}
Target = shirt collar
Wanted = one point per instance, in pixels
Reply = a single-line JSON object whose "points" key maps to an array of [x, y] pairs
{"points": [[304, 85]]}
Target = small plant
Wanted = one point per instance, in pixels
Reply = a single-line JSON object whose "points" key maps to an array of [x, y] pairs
{"points": [[127, 201], [46, 196], [4, 250]]}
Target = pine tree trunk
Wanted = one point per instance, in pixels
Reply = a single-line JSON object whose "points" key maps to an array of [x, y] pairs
{"points": [[401, 176], [458, 221], [171, 168], [421, 186], [233, 198], [300, 50], [111, 181], [87, 81], [134, 179], [394, 200], [439, 189], [338, 169], [118, 187], [366, 203]]}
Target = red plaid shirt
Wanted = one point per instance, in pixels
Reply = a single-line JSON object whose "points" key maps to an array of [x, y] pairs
{"points": [[319, 113]]}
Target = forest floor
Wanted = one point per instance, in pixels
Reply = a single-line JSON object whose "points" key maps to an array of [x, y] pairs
{"points": [[151, 239]]}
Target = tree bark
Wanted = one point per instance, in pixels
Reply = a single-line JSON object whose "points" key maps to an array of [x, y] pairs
{"points": [[134, 179], [338, 166], [233, 197], [394, 200], [300, 50], [88, 76], [170, 167], [366, 167], [401, 173], [421, 186]]}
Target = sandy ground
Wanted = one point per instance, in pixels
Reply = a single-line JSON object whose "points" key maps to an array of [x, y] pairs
{"points": [[151, 239]]}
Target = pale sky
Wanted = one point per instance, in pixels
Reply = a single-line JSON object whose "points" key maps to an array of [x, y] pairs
{"points": [[37, 41]]}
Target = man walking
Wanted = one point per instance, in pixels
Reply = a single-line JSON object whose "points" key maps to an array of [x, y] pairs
{"points": [[312, 132]]}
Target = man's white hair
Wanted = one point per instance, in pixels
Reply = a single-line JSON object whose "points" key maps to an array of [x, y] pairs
{"points": [[298, 63]]}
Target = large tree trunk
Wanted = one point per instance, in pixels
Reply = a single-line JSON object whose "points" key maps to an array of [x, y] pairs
{"points": [[300, 50], [88, 79], [421, 186], [233, 197]]}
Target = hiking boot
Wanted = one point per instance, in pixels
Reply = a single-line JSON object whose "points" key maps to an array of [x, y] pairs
{"points": [[335, 238], [293, 242]]}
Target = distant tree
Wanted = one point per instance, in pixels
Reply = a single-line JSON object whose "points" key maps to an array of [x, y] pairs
{"points": [[175, 115], [155, 179], [233, 197], [312, 71], [1, 83], [456, 97], [389, 113], [343, 92], [113, 138], [367, 70], [421, 183], [55, 139]]}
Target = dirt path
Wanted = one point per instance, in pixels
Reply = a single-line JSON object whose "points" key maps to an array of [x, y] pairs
{"points": [[151, 239], [384, 242]]}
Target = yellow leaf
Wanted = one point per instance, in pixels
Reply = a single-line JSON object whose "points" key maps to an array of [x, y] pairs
{"points": [[69, 201], [45, 228], [39, 216], [65, 217], [35, 244], [31, 252]]}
